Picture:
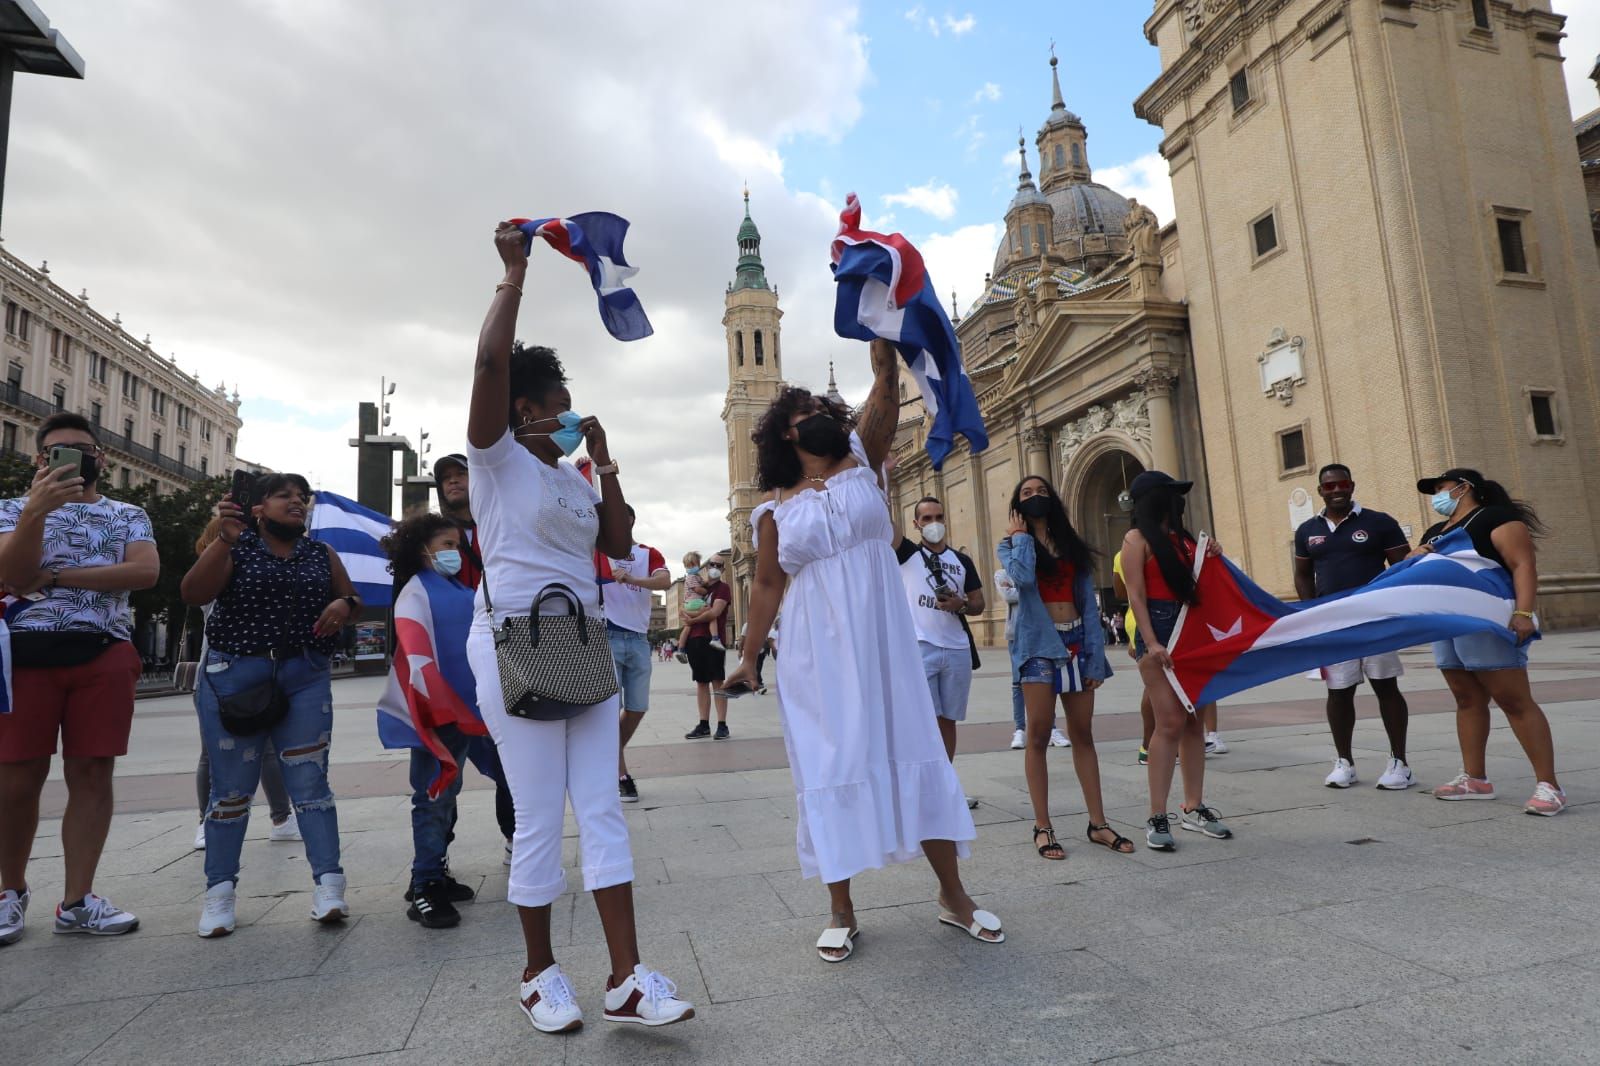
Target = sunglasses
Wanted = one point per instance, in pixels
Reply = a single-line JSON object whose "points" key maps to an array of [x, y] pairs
{"points": [[1338, 486]]}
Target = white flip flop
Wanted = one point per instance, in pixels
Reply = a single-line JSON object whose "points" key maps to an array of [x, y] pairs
{"points": [[837, 939], [982, 922]]}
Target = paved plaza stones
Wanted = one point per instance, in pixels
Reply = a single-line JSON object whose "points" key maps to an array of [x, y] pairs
{"points": [[1337, 927]]}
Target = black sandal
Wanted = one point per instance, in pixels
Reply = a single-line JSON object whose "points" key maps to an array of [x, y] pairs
{"points": [[1050, 843], [1116, 843]]}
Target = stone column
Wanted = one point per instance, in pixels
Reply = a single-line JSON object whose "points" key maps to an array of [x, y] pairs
{"points": [[1036, 452], [1157, 385]]}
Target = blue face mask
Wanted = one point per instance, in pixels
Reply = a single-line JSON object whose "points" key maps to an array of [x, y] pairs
{"points": [[567, 438], [447, 562], [1444, 503], [691, 569]]}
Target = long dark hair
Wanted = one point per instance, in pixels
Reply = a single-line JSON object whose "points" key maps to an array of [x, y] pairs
{"points": [[1493, 494], [1071, 547], [407, 544], [1163, 504], [777, 465]]}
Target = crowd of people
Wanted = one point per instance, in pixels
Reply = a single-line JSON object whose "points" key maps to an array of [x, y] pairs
{"points": [[872, 677]]}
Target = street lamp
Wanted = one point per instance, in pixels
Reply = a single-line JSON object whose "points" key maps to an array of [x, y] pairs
{"points": [[28, 44], [385, 390]]}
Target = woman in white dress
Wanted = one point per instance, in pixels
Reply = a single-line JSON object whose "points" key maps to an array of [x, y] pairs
{"points": [[872, 780]]}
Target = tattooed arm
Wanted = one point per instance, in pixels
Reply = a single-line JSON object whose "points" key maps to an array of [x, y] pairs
{"points": [[881, 413]]}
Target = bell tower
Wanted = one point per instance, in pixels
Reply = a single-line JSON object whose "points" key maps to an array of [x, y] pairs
{"points": [[755, 376]]}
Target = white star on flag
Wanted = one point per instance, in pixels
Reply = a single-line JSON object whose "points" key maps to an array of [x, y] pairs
{"points": [[415, 663]]}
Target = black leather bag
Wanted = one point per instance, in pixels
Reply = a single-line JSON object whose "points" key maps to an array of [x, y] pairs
{"points": [[254, 711], [45, 650]]}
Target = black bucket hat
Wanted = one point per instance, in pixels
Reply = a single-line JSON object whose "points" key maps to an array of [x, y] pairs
{"points": [[1151, 480], [1430, 485]]}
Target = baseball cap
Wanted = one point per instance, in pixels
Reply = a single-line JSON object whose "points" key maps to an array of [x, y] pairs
{"points": [[453, 459], [1429, 485], [1155, 479]]}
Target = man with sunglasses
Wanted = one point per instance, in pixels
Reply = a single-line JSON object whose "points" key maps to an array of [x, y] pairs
{"points": [[1340, 549]]}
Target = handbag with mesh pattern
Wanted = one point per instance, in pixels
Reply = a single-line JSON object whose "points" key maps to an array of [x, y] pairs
{"points": [[552, 666]]}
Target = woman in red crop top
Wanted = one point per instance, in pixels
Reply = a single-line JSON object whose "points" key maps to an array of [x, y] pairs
{"points": [[1158, 569], [1057, 650]]}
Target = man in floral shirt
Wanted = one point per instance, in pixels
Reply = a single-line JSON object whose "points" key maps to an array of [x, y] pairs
{"points": [[69, 557]]}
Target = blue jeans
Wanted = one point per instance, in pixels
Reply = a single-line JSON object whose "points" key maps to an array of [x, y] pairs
{"points": [[630, 653], [433, 820], [301, 741]]}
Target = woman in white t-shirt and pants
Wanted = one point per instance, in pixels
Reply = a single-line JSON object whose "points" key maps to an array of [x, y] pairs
{"points": [[539, 523]]}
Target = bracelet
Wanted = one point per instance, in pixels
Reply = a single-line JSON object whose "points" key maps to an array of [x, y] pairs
{"points": [[1522, 614], [509, 285], [609, 468]]}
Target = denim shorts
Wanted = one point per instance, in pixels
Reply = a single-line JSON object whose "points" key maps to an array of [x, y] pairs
{"points": [[630, 652], [1480, 651], [1163, 617], [1060, 676], [949, 674]]}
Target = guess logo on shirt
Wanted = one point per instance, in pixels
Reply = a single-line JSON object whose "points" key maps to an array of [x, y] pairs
{"points": [[578, 510]]}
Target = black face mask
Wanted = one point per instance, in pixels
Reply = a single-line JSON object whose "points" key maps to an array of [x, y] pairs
{"points": [[282, 530], [1034, 507], [822, 436]]}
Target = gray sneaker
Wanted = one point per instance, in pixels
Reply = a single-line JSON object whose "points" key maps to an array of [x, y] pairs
{"points": [[1158, 834], [97, 916], [13, 912], [1204, 820]]}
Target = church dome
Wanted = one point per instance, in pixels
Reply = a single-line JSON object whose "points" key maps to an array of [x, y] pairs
{"points": [[1087, 207]]}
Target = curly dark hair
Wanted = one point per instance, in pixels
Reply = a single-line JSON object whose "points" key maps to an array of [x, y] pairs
{"points": [[407, 544], [1072, 547], [536, 372], [777, 465]]}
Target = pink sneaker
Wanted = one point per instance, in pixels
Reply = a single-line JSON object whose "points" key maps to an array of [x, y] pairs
{"points": [[1547, 800], [1463, 787]]}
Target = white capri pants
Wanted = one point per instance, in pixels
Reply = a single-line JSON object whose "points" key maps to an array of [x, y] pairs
{"points": [[545, 764]]}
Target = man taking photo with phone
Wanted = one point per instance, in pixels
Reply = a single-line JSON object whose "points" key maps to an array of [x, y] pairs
{"points": [[943, 586], [71, 556]]}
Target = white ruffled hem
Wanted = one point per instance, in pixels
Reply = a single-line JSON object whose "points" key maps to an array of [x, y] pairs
{"points": [[865, 825]]}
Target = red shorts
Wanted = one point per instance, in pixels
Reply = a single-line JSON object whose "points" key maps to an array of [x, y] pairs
{"points": [[91, 706]]}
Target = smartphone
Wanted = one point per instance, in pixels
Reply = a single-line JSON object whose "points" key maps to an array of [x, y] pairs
{"points": [[243, 482], [737, 689], [63, 456]]}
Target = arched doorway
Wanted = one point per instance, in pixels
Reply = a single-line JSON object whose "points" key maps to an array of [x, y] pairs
{"points": [[1098, 513]]}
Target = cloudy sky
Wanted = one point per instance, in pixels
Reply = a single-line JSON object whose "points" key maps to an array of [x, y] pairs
{"points": [[297, 197]]}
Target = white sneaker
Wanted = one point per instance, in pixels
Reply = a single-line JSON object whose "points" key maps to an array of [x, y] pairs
{"points": [[1019, 740], [96, 916], [13, 911], [1343, 776], [647, 998], [1059, 739], [327, 903], [200, 836], [548, 1002], [289, 830], [217, 918], [1396, 776], [972, 804], [1215, 745], [508, 853]]}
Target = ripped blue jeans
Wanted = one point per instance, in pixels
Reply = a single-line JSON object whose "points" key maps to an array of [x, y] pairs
{"points": [[301, 741]]}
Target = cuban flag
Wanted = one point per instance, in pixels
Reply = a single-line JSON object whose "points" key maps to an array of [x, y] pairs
{"points": [[884, 291], [1237, 636], [430, 683], [354, 532], [602, 565], [594, 239]]}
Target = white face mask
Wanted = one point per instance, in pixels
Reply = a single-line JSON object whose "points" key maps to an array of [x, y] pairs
{"points": [[714, 573], [934, 532]]}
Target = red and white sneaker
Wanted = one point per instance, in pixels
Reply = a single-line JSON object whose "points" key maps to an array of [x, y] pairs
{"points": [[647, 998], [1548, 800], [1462, 787], [547, 999]]}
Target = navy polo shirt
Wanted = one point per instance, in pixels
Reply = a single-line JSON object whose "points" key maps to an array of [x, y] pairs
{"points": [[1348, 555]]}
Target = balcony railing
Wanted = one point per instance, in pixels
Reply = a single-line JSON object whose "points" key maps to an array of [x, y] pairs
{"points": [[13, 396]]}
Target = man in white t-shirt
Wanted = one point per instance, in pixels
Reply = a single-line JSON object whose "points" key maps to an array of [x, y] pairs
{"points": [[942, 585], [636, 581]]}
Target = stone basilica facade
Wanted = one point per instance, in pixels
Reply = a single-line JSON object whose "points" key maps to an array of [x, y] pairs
{"points": [[1383, 256]]}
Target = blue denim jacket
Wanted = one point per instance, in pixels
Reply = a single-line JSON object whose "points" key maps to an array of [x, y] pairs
{"points": [[1035, 636]]}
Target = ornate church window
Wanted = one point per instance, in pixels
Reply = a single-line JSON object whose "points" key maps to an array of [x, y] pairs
{"points": [[1058, 155], [1077, 154], [738, 344], [760, 355]]}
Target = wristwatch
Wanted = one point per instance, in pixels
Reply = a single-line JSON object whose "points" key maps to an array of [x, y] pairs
{"points": [[609, 468], [55, 577], [355, 604]]}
